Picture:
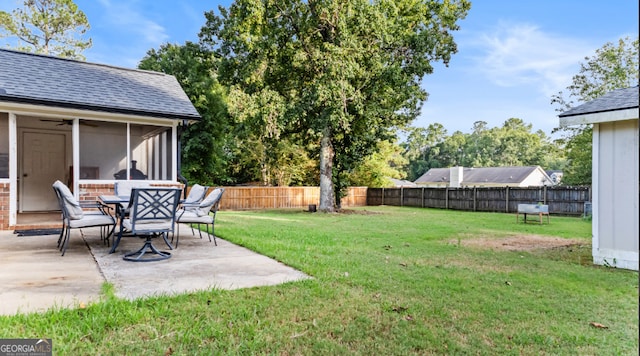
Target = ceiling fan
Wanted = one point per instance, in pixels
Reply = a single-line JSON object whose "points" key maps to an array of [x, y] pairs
{"points": [[69, 122]]}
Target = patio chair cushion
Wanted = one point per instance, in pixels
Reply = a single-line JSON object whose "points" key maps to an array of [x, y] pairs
{"points": [[71, 204], [208, 202], [148, 226], [196, 193], [193, 218], [92, 220]]}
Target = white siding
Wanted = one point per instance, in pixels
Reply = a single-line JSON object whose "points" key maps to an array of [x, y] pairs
{"points": [[615, 164], [536, 179]]}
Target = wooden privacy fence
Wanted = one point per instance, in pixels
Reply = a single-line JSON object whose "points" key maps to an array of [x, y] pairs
{"points": [[249, 198], [561, 200]]}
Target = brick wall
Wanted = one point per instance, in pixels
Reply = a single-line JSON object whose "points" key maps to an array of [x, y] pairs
{"points": [[4, 206], [91, 192]]}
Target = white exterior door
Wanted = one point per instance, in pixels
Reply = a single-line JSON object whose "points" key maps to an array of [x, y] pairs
{"points": [[43, 161]]}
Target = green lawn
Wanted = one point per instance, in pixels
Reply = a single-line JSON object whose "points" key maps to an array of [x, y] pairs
{"points": [[387, 281]]}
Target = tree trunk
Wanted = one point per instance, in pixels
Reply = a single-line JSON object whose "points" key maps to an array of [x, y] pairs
{"points": [[264, 174], [327, 198]]}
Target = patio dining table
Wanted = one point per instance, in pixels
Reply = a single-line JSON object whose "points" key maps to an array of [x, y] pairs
{"points": [[120, 202]]}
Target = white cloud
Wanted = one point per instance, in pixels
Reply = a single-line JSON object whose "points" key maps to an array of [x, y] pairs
{"points": [[123, 16], [522, 54]]}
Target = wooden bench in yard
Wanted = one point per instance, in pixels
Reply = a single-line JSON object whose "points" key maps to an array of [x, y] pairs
{"points": [[538, 209]]}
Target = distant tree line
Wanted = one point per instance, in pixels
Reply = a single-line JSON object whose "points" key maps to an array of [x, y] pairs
{"points": [[512, 144]]}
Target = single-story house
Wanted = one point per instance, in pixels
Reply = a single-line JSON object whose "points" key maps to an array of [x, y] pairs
{"points": [[615, 180], [84, 124], [455, 177]]}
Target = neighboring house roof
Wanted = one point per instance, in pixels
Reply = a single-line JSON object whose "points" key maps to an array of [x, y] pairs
{"points": [[51, 81], [620, 104], [435, 175], [402, 182], [482, 175]]}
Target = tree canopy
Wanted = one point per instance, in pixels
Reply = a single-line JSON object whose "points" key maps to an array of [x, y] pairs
{"points": [[204, 157], [52, 27], [375, 171], [341, 74]]}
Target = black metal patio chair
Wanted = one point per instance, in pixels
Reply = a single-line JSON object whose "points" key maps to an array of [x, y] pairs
{"points": [[201, 214], [151, 214], [75, 217], [193, 199]]}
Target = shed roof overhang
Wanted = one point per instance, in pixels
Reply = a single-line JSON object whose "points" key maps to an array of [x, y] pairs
{"points": [[599, 117]]}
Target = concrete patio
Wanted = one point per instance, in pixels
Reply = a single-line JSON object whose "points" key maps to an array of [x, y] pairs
{"points": [[34, 277]]}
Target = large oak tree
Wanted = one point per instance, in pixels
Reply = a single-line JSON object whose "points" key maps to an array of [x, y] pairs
{"points": [[344, 73]]}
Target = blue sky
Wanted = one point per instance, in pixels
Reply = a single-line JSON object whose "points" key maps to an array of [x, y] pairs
{"points": [[513, 54]]}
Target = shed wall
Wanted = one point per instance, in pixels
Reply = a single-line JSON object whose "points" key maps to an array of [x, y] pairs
{"points": [[616, 171]]}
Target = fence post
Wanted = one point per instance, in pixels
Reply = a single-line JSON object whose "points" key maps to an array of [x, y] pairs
{"points": [[401, 196], [474, 198], [422, 201], [545, 195], [446, 198], [382, 196], [539, 194], [507, 199]]}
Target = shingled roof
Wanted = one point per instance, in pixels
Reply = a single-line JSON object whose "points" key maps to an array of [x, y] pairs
{"points": [[51, 81], [619, 99], [482, 175]]}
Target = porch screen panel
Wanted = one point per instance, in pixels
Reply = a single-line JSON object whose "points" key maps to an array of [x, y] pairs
{"points": [[4, 145], [151, 149], [103, 149]]}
